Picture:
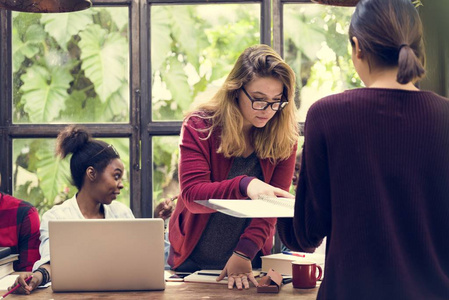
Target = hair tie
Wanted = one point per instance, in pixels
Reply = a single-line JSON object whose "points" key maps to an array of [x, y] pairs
{"points": [[402, 45]]}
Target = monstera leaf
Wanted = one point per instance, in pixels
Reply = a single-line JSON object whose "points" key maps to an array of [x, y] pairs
{"points": [[44, 92], [53, 173], [63, 26], [104, 59]]}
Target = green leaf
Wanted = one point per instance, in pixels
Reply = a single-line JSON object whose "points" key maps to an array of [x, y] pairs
{"points": [[76, 109], [119, 15], [34, 34], [63, 26], [29, 47], [417, 3], [307, 38], [44, 92], [116, 106], [30, 194], [176, 81], [185, 27], [160, 36], [104, 60], [53, 173]]}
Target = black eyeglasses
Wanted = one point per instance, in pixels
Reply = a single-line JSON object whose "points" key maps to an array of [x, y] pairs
{"points": [[262, 105]]}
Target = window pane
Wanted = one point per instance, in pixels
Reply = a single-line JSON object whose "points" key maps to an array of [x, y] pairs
{"points": [[316, 46], [165, 168], [71, 67], [43, 180], [193, 48]]}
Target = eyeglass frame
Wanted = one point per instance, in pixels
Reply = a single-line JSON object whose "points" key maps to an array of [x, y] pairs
{"points": [[270, 104]]}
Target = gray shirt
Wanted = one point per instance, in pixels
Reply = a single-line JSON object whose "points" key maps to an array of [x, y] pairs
{"points": [[222, 232]]}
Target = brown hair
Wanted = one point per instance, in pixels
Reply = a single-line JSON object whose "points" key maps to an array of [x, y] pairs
{"points": [[276, 139], [390, 34]]}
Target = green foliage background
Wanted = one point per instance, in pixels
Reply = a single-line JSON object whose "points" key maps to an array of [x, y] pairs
{"points": [[74, 68], [70, 68]]}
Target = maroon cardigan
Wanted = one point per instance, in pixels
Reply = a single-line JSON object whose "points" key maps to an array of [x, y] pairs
{"points": [[202, 176]]}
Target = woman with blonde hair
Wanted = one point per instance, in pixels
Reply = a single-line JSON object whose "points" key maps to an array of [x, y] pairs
{"points": [[239, 145]]}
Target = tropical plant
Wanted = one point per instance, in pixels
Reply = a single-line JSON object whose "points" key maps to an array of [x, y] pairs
{"points": [[317, 48], [66, 68], [73, 68]]}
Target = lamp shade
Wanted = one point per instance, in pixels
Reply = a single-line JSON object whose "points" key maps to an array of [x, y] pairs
{"points": [[337, 2], [45, 6]]}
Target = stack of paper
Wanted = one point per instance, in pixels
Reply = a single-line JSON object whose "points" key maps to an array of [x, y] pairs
{"points": [[260, 208], [6, 264]]}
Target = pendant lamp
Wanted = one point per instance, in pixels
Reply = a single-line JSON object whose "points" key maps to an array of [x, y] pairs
{"points": [[337, 2], [45, 6]]}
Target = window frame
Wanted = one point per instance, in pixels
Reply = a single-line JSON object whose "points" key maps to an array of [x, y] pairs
{"points": [[141, 128], [10, 131]]}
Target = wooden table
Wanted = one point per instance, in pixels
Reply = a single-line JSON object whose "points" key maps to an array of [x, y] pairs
{"points": [[175, 290]]}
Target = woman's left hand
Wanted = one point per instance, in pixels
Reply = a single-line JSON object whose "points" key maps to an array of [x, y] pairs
{"points": [[239, 272], [257, 187]]}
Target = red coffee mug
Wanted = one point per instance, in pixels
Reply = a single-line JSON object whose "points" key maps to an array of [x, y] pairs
{"points": [[304, 274]]}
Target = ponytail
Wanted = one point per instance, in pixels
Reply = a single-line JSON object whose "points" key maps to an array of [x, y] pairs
{"points": [[409, 66]]}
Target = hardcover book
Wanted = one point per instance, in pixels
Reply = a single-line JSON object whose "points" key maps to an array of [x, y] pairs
{"points": [[4, 252]]}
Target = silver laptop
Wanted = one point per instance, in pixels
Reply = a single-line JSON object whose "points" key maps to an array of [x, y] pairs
{"points": [[107, 255]]}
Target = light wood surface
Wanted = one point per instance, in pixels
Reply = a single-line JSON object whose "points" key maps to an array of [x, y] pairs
{"points": [[175, 290]]}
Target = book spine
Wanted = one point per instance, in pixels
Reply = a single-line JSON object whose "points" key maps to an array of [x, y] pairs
{"points": [[4, 252]]}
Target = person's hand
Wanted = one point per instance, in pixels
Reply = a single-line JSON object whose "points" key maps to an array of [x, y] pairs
{"points": [[239, 272], [26, 288], [165, 208], [257, 187]]}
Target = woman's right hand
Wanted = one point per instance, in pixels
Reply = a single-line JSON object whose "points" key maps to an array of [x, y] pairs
{"points": [[257, 187], [27, 288]]}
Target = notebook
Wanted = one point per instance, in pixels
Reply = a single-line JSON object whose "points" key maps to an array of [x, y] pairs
{"points": [[265, 207], [210, 276], [107, 255]]}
